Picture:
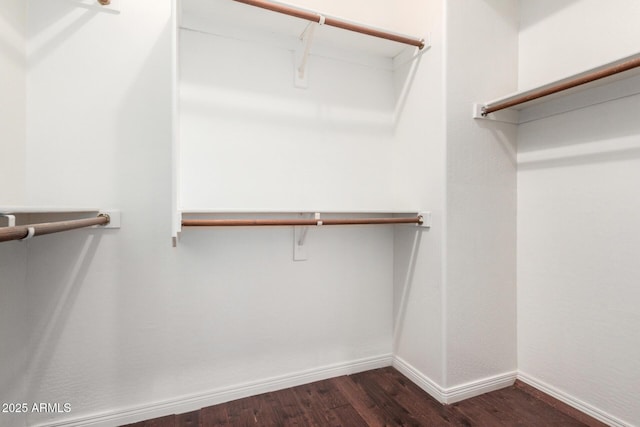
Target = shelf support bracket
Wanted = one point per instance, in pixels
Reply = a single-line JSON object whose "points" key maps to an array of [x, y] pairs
{"points": [[11, 219], [299, 237], [301, 77]]}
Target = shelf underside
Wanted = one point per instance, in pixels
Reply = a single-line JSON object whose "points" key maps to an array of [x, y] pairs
{"points": [[44, 209], [629, 74], [231, 19]]}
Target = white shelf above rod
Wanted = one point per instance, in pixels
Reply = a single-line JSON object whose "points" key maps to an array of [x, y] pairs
{"points": [[57, 219], [301, 224], [419, 220], [27, 231], [523, 99], [324, 19]]}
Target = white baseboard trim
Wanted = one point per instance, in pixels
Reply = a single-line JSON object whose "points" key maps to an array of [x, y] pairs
{"points": [[444, 395], [572, 401], [196, 401], [418, 378], [476, 388], [457, 393]]}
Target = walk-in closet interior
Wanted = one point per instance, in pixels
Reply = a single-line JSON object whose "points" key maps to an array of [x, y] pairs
{"points": [[203, 200]]}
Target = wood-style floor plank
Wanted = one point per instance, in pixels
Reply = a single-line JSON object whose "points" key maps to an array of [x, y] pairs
{"points": [[380, 398], [242, 412], [268, 413], [511, 407], [168, 421], [558, 405], [362, 403], [293, 414], [422, 407], [345, 416], [214, 416], [314, 410], [398, 414], [328, 393], [190, 419]]}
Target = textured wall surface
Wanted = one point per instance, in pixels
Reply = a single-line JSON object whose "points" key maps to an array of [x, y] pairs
{"points": [[578, 209]]}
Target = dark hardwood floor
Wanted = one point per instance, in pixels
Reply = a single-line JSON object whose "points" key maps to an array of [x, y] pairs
{"points": [[382, 397]]}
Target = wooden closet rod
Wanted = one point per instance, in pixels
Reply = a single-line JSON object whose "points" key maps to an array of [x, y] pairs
{"points": [[587, 78], [27, 231], [299, 222], [334, 22]]}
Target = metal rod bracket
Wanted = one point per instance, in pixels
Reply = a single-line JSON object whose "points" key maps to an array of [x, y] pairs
{"points": [[114, 219], [426, 220], [504, 116]]}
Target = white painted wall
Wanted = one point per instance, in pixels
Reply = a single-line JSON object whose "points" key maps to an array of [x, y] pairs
{"points": [[480, 298], [278, 147], [249, 139], [99, 111], [14, 333], [13, 15], [455, 288], [122, 320], [559, 38], [373, 12], [578, 205], [419, 171]]}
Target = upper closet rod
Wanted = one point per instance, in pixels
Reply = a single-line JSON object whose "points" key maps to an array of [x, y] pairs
{"points": [[334, 22], [22, 232], [587, 78], [298, 222]]}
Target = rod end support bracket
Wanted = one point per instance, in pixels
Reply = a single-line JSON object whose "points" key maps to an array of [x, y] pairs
{"points": [[426, 219], [114, 218], [505, 116]]}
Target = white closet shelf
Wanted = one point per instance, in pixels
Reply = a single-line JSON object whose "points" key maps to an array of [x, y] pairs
{"points": [[45, 209], [233, 19], [613, 80], [258, 214], [258, 211], [302, 221], [46, 213]]}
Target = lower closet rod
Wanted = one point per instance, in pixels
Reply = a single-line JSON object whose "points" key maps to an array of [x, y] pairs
{"points": [[21, 232], [299, 222]]}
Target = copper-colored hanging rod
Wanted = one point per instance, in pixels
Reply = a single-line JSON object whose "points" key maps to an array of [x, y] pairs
{"points": [[334, 22], [297, 222], [21, 232], [587, 78]]}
